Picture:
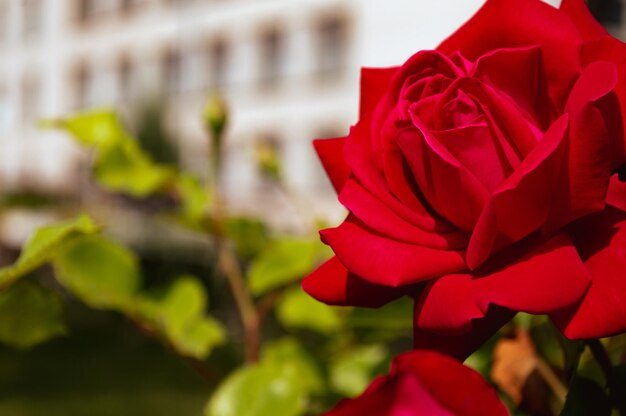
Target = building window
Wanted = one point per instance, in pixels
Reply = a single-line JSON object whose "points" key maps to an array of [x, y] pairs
{"points": [[32, 19], [88, 11], [4, 21], [125, 80], [218, 64], [332, 45], [5, 109], [30, 102], [172, 71], [129, 6], [272, 49], [83, 80]]}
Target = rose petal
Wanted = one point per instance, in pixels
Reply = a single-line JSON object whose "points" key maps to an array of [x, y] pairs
{"points": [[519, 74], [446, 184], [381, 260], [425, 383], [367, 170], [374, 84], [616, 195], [330, 152], [333, 284], [535, 276], [521, 204], [501, 24], [612, 50], [462, 344], [586, 24], [592, 108], [460, 389], [601, 241], [380, 218], [402, 395]]}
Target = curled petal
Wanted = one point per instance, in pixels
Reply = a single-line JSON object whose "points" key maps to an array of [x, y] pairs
{"points": [[333, 284], [425, 383], [601, 241], [383, 261], [374, 84], [380, 218], [586, 24], [536, 276], [462, 344], [592, 109], [501, 24], [440, 177], [521, 204], [330, 152]]}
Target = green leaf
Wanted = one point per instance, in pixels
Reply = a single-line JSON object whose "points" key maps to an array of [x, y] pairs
{"points": [[586, 398], [249, 235], [43, 245], [193, 195], [397, 315], [299, 310], [99, 128], [29, 315], [296, 362], [126, 168], [179, 312], [618, 388], [283, 262], [351, 372], [260, 390], [279, 384], [100, 272], [120, 163]]}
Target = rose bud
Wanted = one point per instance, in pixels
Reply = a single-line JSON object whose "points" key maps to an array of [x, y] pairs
{"points": [[425, 383]]}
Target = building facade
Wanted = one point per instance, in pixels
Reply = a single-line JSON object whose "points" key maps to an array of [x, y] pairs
{"points": [[289, 70]]}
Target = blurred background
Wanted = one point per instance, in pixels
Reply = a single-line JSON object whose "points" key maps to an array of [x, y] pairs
{"points": [[289, 71]]}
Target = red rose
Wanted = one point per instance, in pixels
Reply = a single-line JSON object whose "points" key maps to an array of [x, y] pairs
{"points": [[477, 180], [425, 383]]}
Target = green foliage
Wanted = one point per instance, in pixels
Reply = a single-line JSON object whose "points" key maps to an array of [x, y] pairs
{"points": [[249, 235], [120, 164], [100, 272], [152, 133], [280, 384], [586, 398], [283, 262], [299, 310], [99, 129], [124, 167], [179, 313], [30, 314], [43, 245], [397, 315], [193, 196], [352, 371]]}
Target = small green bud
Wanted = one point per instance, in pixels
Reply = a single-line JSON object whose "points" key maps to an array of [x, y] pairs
{"points": [[216, 116], [267, 160]]}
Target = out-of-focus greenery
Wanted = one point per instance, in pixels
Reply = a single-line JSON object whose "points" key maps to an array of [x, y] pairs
{"points": [[310, 354]]}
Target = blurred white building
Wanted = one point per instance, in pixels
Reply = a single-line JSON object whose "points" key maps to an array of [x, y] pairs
{"points": [[288, 68]]}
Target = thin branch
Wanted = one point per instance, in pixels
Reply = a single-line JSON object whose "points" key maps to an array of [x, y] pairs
{"points": [[602, 358]]}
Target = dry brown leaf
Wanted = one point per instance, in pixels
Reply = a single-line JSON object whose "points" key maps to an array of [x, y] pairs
{"points": [[514, 359]]}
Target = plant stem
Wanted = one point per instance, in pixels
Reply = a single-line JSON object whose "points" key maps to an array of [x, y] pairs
{"points": [[599, 353], [228, 263], [552, 380]]}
